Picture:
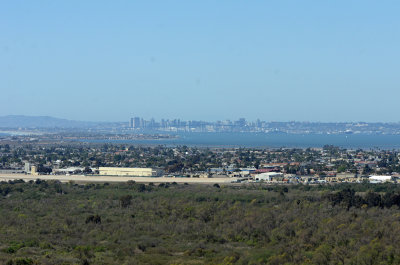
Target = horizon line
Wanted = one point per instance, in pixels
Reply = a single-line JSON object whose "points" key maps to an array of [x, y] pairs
{"points": [[202, 120]]}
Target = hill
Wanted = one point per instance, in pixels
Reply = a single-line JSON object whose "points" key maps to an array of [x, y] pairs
{"points": [[16, 121]]}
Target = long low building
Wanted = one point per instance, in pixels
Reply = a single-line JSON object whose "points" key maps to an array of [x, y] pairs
{"points": [[130, 171], [380, 179], [269, 176]]}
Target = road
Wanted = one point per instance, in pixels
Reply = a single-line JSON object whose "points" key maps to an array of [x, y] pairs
{"points": [[89, 179]]}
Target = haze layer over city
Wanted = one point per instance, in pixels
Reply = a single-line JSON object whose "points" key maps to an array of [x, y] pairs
{"points": [[199, 132]]}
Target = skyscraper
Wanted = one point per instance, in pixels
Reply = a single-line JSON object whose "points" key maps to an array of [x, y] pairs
{"points": [[137, 123]]}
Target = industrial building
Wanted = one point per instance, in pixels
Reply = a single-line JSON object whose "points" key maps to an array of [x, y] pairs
{"points": [[269, 176], [380, 179], [128, 171]]}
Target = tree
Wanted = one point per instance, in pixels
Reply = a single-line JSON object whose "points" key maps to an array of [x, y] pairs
{"points": [[125, 201], [341, 168], [367, 170], [373, 199], [96, 219], [43, 169], [87, 170], [140, 188]]}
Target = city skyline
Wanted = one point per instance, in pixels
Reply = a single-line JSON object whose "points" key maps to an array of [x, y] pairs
{"points": [[142, 125], [128, 121]]}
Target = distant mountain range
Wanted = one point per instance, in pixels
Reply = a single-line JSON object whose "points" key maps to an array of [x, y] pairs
{"points": [[15, 121]]}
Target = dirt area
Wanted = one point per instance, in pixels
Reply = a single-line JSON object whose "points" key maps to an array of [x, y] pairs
{"points": [[81, 178]]}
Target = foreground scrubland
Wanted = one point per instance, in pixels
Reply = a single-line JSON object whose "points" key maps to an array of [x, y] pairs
{"points": [[53, 223]]}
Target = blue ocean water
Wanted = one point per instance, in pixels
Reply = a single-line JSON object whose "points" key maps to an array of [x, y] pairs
{"points": [[272, 140]]}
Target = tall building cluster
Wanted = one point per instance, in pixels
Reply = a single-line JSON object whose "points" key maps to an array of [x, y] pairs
{"points": [[140, 123], [137, 123], [242, 125]]}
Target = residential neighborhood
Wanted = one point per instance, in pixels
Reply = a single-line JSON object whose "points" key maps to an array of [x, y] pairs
{"points": [[329, 164]]}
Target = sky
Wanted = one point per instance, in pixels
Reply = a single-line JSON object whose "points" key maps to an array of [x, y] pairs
{"points": [[201, 60]]}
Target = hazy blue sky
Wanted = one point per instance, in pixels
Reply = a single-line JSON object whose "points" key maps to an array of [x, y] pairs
{"points": [[209, 60]]}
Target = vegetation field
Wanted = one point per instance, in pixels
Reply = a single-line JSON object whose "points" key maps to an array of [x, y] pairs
{"points": [[53, 223]]}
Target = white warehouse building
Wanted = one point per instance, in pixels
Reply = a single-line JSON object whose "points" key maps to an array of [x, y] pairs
{"points": [[269, 176], [380, 179]]}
